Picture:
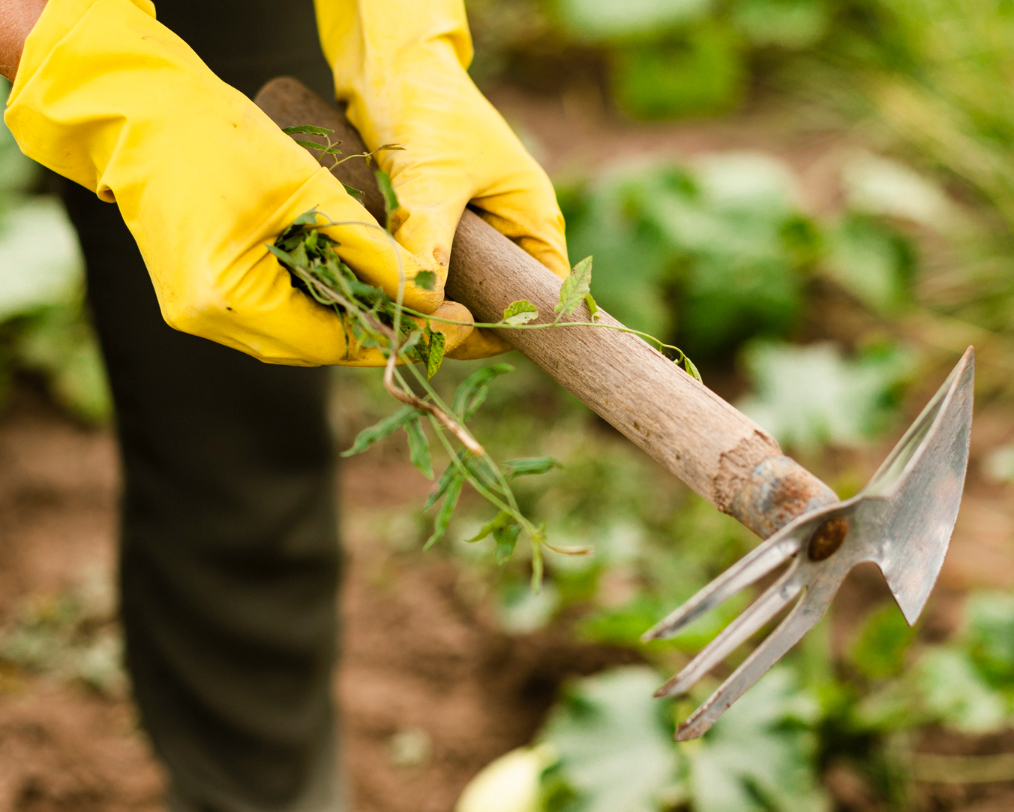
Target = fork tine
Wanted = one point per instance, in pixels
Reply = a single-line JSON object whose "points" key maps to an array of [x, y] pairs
{"points": [[801, 619], [775, 598], [763, 559]]}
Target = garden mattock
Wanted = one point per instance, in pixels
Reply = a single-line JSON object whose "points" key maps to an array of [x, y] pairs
{"points": [[902, 520]]}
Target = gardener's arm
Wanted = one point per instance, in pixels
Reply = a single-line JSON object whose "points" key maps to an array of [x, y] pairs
{"points": [[107, 96], [17, 18], [402, 67]]}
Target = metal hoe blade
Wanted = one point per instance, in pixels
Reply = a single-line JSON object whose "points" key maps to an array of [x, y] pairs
{"points": [[902, 520]]}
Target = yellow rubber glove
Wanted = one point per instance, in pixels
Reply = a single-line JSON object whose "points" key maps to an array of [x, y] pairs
{"points": [[113, 100], [401, 67]]}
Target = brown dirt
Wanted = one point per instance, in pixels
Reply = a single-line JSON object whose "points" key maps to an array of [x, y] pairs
{"points": [[419, 655]]}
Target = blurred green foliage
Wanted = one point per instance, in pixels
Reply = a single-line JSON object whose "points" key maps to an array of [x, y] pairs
{"points": [[810, 397], [615, 750], [71, 636], [721, 258], [614, 745], [661, 58], [925, 80], [711, 255], [43, 326]]}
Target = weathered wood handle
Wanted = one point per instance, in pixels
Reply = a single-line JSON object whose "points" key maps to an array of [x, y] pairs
{"points": [[715, 449]]}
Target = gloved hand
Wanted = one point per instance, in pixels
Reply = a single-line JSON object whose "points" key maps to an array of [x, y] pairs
{"points": [[113, 100], [401, 67]]}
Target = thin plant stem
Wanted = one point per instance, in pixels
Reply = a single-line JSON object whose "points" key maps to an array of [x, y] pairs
{"points": [[548, 325]]}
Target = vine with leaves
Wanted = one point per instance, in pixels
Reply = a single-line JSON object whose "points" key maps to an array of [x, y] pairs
{"points": [[414, 353]]}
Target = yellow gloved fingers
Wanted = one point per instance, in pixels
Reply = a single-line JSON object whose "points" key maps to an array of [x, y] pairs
{"points": [[520, 204], [458, 149], [480, 344], [113, 100], [530, 216], [401, 67]]}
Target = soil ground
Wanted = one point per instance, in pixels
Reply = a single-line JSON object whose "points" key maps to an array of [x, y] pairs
{"points": [[431, 690], [423, 666]]}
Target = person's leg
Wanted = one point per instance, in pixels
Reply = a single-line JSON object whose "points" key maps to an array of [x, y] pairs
{"points": [[230, 556], [229, 544]]}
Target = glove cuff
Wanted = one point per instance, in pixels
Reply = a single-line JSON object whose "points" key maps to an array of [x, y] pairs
{"points": [[58, 18]]}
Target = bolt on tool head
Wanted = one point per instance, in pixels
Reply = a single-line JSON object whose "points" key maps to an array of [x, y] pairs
{"points": [[902, 520]]}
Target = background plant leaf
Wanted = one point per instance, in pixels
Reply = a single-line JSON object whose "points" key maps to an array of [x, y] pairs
{"points": [[614, 742]]}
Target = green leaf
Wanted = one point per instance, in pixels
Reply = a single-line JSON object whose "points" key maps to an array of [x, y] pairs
{"points": [[309, 144], [757, 758], [884, 188], [299, 255], [575, 287], [307, 129], [812, 395], [989, 617], [435, 353], [59, 343], [606, 21], [956, 694], [871, 260], [691, 368], [40, 261], [286, 258], [471, 392], [419, 447], [450, 472], [520, 312], [529, 466], [427, 280], [502, 519], [481, 470], [879, 650], [358, 194], [614, 741], [379, 431], [443, 517], [307, 218], [391, 204], [623, 625], [80, 383], [522, 611], [699, 70], [538, 566], [506, 537], [786, 23]]}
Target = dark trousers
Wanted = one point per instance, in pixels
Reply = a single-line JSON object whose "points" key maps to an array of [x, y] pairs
{"points": [[230, 558]]}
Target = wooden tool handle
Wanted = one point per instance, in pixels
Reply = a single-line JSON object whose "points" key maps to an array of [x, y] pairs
{"points": [[712, 447]]}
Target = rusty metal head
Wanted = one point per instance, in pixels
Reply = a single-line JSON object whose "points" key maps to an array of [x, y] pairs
{"points": [[902, 521]]}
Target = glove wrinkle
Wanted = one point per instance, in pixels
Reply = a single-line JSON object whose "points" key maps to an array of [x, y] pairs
{"points": [[402, 73], [112, 99]]}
